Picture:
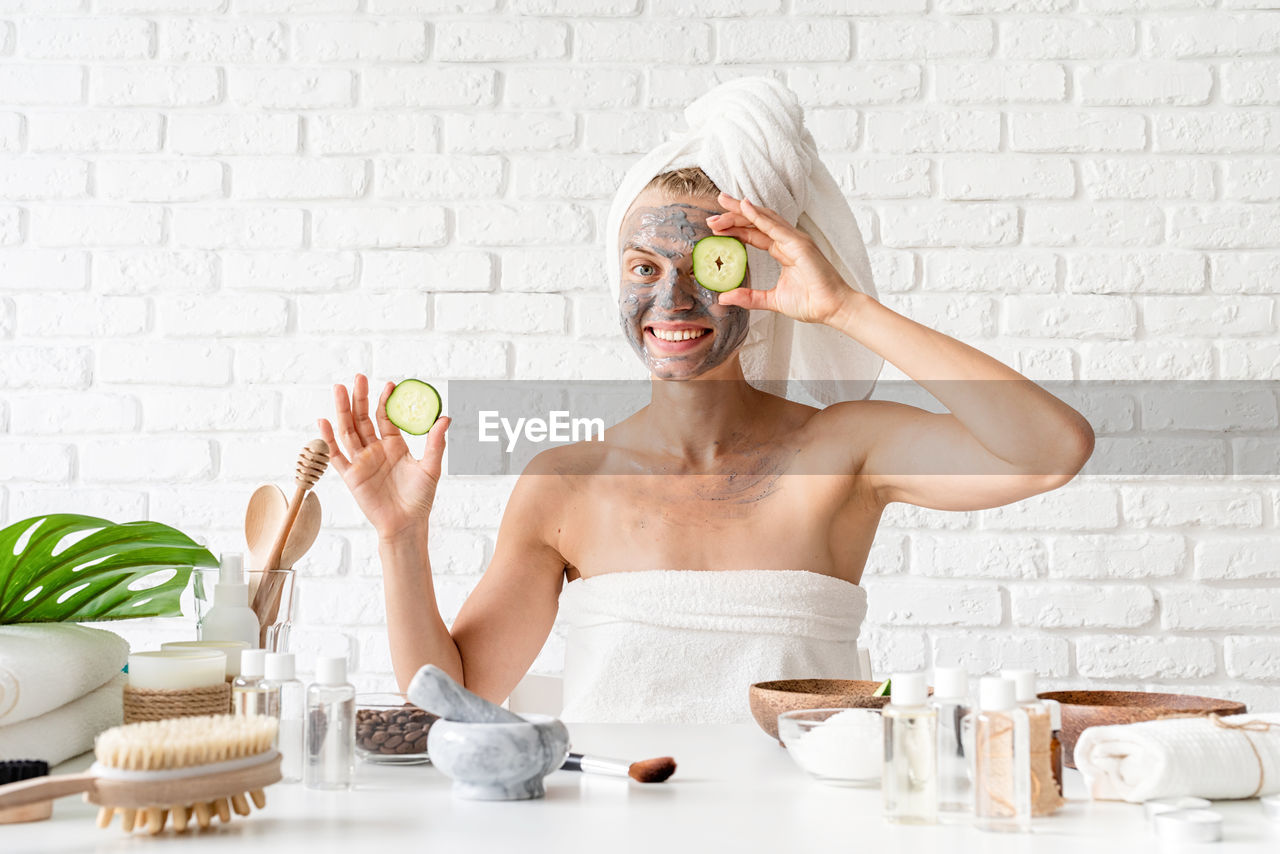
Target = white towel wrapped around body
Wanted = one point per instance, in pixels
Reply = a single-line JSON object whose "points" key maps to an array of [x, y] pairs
{"points": [[1177, 757], [684, 646], [68, 730], [748, 136], [44, 666]]}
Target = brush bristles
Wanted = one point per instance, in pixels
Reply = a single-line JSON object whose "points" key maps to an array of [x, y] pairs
{"points": [[652, 770], [184, 742]]}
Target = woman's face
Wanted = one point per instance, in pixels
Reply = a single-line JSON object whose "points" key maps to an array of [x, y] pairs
{"points": [[676, 326]]}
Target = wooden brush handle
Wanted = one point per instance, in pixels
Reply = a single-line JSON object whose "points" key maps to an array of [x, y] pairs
{"points": [[45, 789]]}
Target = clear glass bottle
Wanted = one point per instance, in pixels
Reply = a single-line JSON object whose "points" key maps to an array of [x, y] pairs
{"points": [[1001, 759], [1043, 741], [1055, 741], [286, 701], [330, 738], [248, 692], [951, 701], [910, 752]]}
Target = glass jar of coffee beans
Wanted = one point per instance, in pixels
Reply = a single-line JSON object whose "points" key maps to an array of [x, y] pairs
{"points": [[390, 730]]}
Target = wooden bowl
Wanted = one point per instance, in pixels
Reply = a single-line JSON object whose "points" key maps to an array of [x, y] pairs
{"points": [[770, 699], [1083, 709]]}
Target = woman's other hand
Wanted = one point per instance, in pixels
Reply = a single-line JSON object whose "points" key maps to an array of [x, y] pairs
{"points": [[394, 490], [809, 289]]}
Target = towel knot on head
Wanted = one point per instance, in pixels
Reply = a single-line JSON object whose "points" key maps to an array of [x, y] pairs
{"points": [[756, 122], [748, 136]]}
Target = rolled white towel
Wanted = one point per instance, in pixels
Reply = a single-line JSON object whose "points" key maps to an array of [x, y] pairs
{"points": [[46, 665], [67, 730], [1178, 757]]}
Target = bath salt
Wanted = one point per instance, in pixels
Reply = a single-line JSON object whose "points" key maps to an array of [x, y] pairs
{"points": [[849, 745]]}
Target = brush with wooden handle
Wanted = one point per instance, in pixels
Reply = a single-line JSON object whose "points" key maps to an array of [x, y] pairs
{"points": [[644, 771], [312, 463], [181, 768]]}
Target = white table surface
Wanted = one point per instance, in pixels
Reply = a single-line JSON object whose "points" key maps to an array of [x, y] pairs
{"points": [[735, 790]]}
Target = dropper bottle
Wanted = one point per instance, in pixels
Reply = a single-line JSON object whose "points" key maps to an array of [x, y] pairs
{"points": [[1002, 759], [951, 701], [248, 691], [910, 752], [286, 701]]}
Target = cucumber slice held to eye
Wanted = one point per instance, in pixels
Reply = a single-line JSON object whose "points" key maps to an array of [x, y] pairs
{"points": [[719, 263], [413, 406]]}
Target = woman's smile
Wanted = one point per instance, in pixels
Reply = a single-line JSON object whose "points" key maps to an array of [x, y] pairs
{"points": [[671, 338]]}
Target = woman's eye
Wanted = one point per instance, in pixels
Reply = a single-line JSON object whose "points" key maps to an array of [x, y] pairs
{"points": [[644, 270]]}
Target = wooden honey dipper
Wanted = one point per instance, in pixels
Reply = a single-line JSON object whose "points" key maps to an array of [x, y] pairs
{"points": [[312, 462]]}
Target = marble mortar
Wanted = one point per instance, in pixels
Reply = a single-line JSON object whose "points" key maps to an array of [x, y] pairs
{"points": [[498, 761]]}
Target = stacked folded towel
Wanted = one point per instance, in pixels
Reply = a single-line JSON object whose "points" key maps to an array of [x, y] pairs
{"points": [[60, 685], [1231, 757]]}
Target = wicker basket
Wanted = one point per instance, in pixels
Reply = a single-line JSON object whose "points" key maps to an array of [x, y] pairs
{"points": [[146, 704]]}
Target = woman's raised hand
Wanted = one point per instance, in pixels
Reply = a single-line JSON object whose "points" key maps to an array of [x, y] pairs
{"points": [[394, 490], [809, 288]]}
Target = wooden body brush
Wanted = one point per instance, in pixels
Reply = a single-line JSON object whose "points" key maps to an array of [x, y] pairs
{"points": [[187, 768], [312, 463]]}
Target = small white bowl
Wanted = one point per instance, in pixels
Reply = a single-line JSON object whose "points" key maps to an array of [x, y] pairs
{"points": [[842, 747]]}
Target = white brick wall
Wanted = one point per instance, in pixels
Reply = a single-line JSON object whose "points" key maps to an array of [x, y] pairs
{"points": [[212, 209]]}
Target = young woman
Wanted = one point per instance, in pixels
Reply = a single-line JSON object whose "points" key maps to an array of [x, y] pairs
{"points": [[714, 482], [744, 479]]}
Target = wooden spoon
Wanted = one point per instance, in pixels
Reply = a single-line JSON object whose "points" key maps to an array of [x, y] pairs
{"points": [[267, 509], [312, 463]]}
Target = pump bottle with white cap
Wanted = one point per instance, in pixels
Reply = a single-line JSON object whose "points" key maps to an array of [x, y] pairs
{"points": [[230, 618], [951, 701], [910, 781], [330, 727], [1002, 759]]}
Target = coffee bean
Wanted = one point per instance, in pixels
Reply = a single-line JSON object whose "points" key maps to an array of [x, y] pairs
{"points": [[393, 732]]}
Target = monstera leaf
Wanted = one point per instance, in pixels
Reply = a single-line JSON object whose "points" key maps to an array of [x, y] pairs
{"points": [[104, 572]]}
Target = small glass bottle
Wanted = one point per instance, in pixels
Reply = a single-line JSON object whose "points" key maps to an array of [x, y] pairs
{"points": [[1001, 759], [1040, 715], [248, 692], [286, 701], [910, 752], [1055, 741], [330, 727], [951, 701]]}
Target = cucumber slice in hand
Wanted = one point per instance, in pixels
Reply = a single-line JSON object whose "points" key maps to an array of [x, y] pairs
{"points": [[883, 690], [719, 263], [413, 406]]}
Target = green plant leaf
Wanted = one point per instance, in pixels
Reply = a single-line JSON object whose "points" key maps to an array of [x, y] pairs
{"points": [[103, 571]]}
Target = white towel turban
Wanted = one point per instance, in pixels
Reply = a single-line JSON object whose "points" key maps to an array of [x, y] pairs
{"points": [[748, 136]]}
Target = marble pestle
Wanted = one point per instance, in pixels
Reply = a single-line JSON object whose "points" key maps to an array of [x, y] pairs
{"points": [[435, 691]]}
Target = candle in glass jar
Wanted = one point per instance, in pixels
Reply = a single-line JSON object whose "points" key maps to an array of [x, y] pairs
{"points": [[231, 649], [172, 670]]}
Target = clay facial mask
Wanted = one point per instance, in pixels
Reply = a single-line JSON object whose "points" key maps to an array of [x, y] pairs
{"points": [[673, 323]]}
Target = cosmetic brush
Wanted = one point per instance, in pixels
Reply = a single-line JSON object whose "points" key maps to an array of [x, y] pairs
{"points": [[187, 768], [644, 771], [14, 771]]}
